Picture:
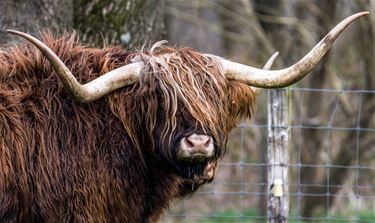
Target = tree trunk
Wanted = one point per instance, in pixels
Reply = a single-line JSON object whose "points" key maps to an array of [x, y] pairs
{"points": [[31, 16], [131, 23]]}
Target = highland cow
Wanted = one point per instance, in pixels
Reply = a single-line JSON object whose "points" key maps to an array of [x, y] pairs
{"points": [[147, 127]]}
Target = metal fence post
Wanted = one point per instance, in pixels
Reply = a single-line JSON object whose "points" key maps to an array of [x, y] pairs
{"points": [[278, 138]]}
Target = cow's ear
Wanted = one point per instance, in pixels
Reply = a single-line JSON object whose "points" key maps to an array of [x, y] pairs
{"points": [[241, 102]]}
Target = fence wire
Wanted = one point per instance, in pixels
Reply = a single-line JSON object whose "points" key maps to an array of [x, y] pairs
{"points": [[239, 191]]}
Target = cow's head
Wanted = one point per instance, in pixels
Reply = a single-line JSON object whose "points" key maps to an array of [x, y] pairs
{"points": [[185, 102], [186, 107]]}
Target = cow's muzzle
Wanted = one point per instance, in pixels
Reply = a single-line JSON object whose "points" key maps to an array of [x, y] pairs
{"points": [[195, 148]]}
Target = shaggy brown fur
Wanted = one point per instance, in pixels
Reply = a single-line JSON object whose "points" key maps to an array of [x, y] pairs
{"points": [[111, 160]]}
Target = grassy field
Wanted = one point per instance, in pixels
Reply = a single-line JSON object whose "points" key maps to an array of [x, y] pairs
{"points": [[251, 216]]}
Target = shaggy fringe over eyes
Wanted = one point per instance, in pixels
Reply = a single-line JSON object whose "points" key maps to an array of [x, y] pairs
{"points": [[189, 82]]}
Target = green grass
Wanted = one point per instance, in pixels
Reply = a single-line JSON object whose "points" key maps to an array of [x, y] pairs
{"points": [[230, 216]]}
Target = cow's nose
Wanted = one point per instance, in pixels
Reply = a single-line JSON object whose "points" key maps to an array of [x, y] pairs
{"points": [[199, 143], [196, 147]]}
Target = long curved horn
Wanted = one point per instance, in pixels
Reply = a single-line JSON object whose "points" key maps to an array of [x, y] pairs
{"points": [[95, 89], [285, 77]]}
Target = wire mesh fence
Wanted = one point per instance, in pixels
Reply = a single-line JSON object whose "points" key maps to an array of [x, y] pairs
{"points": [[331, 165]]}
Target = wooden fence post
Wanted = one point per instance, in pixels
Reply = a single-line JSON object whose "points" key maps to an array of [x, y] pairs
{"points": [[278, 152]]}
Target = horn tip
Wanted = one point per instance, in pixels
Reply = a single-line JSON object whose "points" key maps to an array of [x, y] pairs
{"points": [[16, 32], [359, 14], [11, 30]]}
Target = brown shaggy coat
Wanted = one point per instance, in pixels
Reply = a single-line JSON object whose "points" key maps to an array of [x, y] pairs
{"points": [[111, 160]]}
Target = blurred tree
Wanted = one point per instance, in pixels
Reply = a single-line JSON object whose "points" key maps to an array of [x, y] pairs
{"points": [[31, 15], [131, 23]]}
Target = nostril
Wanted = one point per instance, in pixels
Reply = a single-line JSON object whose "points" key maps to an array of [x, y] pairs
{"points": [[189, 143], [208, 142]]}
